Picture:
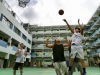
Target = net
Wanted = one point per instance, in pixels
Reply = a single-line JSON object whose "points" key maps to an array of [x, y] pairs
{"points": [[23, 3]]}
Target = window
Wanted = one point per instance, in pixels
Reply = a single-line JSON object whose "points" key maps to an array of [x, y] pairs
{"points": [[29, 41], [17, 31], [5, 21], [11, 26], [24, 37]]}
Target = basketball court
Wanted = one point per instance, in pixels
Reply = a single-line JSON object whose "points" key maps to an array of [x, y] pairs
{"points": [[39, 55], [47, 71]]}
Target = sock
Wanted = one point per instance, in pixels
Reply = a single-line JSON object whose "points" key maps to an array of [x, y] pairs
{"points": [[21, 74], [14, 72], [84, 70], [70, 68]]}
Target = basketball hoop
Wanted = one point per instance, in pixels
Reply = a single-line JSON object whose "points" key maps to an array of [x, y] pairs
{"points": [[23, 3]]}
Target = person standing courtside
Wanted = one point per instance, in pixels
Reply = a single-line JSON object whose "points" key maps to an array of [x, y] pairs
{"points": [[76, 46], [58, 55], [21, 53]]}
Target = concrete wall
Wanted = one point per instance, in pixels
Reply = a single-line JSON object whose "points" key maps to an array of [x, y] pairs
{"points": [[7, 50]]}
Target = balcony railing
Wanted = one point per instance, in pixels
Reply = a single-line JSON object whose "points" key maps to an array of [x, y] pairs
{"points": [[51, 32], [3, 43], [94, 43], [11, 11], [95, 32], [98, 50], [96, 20], [14, 48]]}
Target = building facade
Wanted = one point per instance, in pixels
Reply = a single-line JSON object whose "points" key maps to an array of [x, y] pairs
{"points": [[12, 33], [92, 34]]}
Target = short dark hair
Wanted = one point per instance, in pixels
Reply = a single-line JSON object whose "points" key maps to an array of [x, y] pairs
{"points": [[77, 28], [21, 43]]}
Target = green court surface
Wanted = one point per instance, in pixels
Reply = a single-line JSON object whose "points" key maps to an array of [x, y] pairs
{"points": [[46, 71]]}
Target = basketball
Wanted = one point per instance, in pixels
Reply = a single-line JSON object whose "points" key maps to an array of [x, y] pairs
{"points": [[61, 12]]}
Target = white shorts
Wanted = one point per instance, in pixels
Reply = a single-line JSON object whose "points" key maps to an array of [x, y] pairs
{"points": [[77, 51], [60, 67]]}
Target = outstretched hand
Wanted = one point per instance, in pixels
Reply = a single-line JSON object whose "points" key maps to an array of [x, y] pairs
{"points": [[65, 37], [64, 20], [78, 20], [48, 38]]}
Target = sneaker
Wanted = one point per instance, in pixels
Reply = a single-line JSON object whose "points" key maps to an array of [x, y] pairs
{"points": [[69, 73], [83, 73]]}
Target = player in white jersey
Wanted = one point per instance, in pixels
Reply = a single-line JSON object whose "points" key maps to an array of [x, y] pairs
{"points": [[76, 46], [76, 62], [21, 53]]}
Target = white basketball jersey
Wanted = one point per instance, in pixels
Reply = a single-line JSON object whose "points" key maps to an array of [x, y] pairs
{"points": [[77, 38], [20, 56]]}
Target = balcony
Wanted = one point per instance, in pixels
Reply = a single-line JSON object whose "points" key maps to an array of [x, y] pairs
{"points": [[33, 32], [14, 48], [98, 50], [40, 48], [95, 44], [55, 32], [47, 32], [93, 53], [3, 43], [94, 24], [96, 33], [40, 32], [51, 32], [41, 54], [63, 31], [39, 39], [11, 11]]}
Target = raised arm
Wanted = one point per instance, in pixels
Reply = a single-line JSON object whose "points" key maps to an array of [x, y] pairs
{"points": [[49, 45], [68, 26], [67, 43], [81, 27]]}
